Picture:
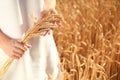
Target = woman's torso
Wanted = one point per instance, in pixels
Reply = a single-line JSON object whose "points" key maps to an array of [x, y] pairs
{"points": [[15, 15]]}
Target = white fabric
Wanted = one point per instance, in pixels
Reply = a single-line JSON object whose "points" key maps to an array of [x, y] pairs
{"points": [[42, 59]]}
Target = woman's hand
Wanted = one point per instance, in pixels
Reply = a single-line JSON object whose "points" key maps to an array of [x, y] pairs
{"points": [[15, 48], [47, 13], [12, 47]]}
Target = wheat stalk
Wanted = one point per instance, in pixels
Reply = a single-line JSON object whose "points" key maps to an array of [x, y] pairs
{"points": [[41, 26]]}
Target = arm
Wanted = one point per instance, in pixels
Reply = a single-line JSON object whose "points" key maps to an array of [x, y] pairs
{"points": [[11, 47], [49, 4]]}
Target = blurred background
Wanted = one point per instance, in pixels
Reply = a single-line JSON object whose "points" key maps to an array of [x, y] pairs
{"points": [[89, 40]]}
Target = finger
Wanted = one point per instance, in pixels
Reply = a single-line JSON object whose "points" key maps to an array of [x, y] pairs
{"points": [[45, 32], [57, 22], [48, 32], [19, 51], [16, 55], [28, 45], [20, 46]]}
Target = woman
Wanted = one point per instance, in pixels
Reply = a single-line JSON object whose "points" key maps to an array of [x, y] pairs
{"points": [[42, 60]]}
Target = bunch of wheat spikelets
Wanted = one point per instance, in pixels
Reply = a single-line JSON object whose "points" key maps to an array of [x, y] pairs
{"points": [[41, 26]]}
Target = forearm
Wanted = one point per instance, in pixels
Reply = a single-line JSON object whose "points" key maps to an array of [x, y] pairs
{"points": [[49, 4], [3, 38]]}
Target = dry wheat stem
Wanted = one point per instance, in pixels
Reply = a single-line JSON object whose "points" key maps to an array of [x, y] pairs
{"points": [[92, 28]]}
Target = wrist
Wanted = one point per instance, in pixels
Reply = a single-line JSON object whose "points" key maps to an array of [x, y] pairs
{"points": [[45, 13], [49, 4]]}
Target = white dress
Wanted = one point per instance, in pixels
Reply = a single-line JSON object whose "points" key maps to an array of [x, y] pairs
{"points": [[42, 59]]}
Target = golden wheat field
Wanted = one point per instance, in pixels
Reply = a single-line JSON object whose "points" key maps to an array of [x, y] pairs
{"points": [[89, 41]]}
